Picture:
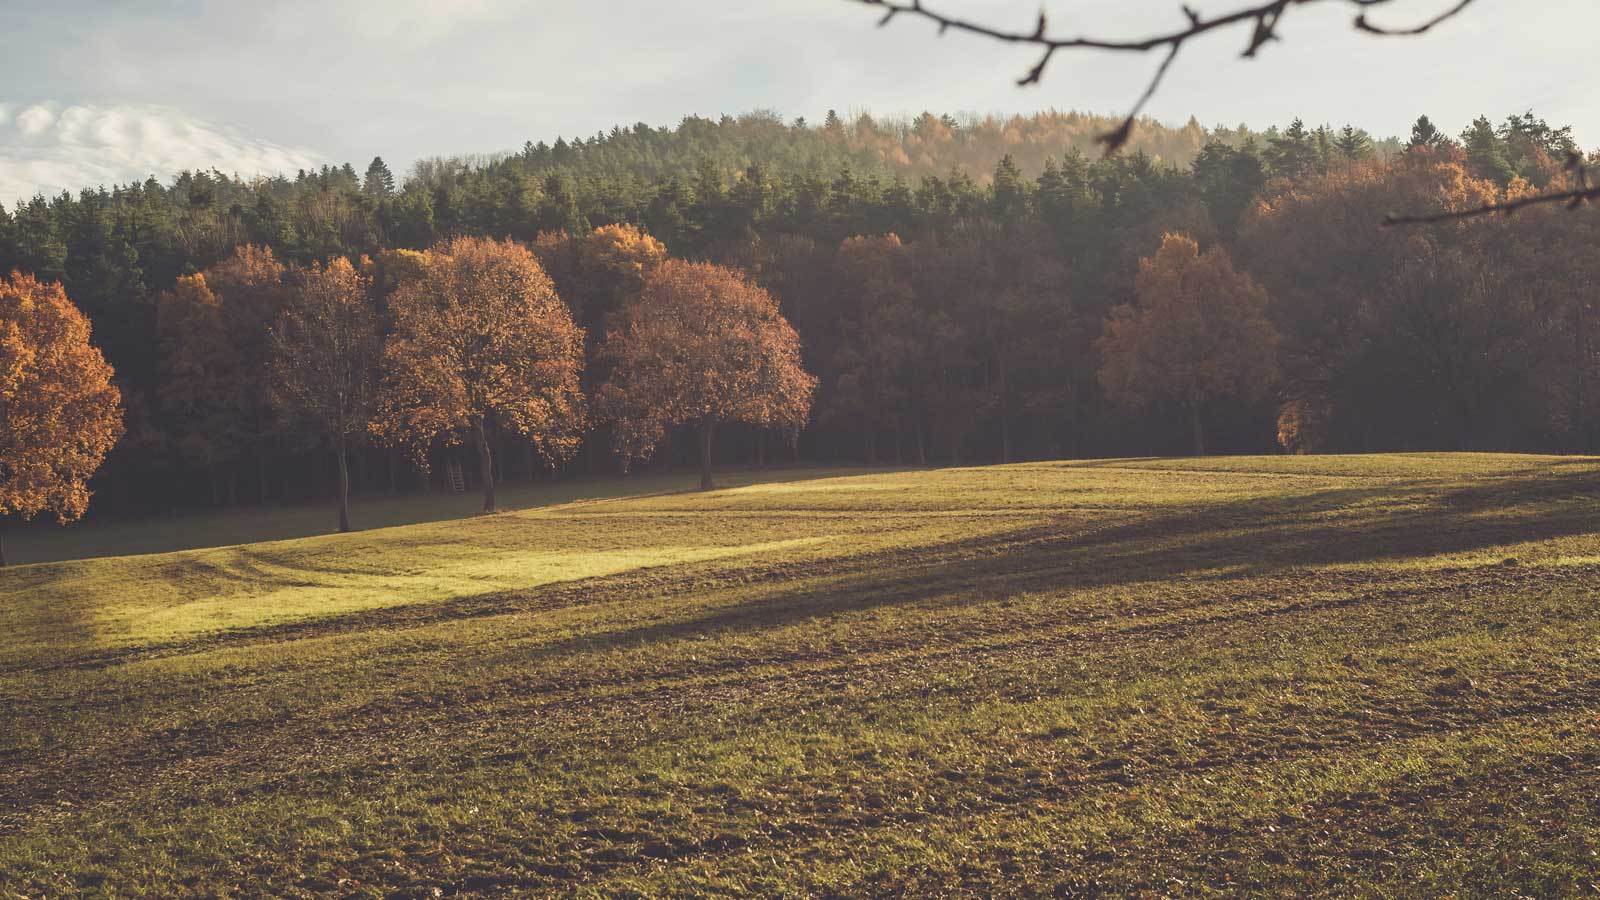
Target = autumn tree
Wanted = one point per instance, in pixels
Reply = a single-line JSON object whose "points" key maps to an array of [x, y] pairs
{"points": [[202, 378], [599, 272], [702, 346], [326, 348], [876, 341], [481, 341], [250, 282], [1333, 276], [59, 412], [1199, 333], [213, 328]]}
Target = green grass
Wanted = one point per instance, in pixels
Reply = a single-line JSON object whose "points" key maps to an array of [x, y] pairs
{"points": [[1327, 675]]}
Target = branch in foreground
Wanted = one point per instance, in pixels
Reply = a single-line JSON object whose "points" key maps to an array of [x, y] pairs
{"points": [[1572, 199], [1263, 17], [1582, 192]]}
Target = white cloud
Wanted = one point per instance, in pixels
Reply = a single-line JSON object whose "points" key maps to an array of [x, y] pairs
{"points": [[45, 148]]}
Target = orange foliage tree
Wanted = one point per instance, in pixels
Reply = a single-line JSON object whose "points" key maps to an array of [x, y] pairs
{"points": [[600, 272], [203, 377], [1364, 319], [326, 346], [702, 346], [482, 341], [59, 412], [213, 327], [1199, 333]]}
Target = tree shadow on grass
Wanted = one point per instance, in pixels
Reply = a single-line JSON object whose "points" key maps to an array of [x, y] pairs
{"points": [[1258, 537], [1251, 537]]}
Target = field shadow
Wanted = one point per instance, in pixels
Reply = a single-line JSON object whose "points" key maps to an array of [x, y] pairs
{"points": [[1259, 537], [1383, 522]]}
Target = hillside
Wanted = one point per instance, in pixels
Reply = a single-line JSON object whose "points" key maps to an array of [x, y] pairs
{"points": [[1275, 674], [954, 309]]}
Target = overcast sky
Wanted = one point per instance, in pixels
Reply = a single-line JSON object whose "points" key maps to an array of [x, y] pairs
{"points": [[96, 92]]}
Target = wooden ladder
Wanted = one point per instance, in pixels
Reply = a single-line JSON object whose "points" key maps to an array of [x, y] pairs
{"points": [[457, 479]]}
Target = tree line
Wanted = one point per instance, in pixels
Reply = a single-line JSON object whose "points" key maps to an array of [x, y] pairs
{"points": [[1240, 299]]}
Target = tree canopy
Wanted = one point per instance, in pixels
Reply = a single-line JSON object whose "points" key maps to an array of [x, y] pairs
{"points": [[702, 346], [59, 412], [1199, 333]]}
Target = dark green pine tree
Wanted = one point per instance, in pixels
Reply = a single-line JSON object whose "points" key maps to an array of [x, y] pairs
{"points": [[1229, 179], [1486, 152], [1353, 143], [1010, 193], [8, 241], [1292, 154], [40, 247], [1324, 141], [561, 210], [1425, 134], [379, 181]]}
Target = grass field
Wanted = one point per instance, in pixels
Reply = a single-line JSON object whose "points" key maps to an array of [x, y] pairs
{"points": [[1335, 675]]}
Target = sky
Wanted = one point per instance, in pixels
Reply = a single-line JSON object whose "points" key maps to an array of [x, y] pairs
{"points": [[100, 92]]}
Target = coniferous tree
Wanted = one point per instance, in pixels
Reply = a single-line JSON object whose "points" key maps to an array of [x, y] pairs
{"points": [[1353, 143], [1486, 152], [1424, 134], [379, 181], [1293, 154]]}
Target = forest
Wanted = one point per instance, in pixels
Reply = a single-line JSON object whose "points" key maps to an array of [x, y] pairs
{"points": [[946, 291]]}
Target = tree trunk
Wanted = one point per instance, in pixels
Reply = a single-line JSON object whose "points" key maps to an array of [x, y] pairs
{"points": [[394, 475], [261, 475], [922, 450], [706, 428], [344, 484], [486, 468], [1005, 414], [358, 474], [761, 447], [2, 545], [1198, 428], [1581, 421]]}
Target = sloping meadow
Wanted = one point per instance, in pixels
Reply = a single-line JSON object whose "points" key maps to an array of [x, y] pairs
{"points": [[1286, 674]]}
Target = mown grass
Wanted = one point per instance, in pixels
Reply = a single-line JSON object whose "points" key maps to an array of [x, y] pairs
{"points": [[1337, 675]]}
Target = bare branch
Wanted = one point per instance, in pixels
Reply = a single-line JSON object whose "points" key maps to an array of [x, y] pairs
{"points": [[1115, 139], [1572, 199], [1363, 24], [1262, 17]]}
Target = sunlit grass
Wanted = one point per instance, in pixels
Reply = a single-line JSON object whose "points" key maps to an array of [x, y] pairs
{"points": [[1340, 675]]}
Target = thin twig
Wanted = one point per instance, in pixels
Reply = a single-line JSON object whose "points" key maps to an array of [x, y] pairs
{"points": [[1263, 17], [1572, 199]]}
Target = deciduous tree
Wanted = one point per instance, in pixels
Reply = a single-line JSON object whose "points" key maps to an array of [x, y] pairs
{"points": [[702, 346], [326, 348], [59, 412], [482, 341], [1199, 333], [201, 378]]}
